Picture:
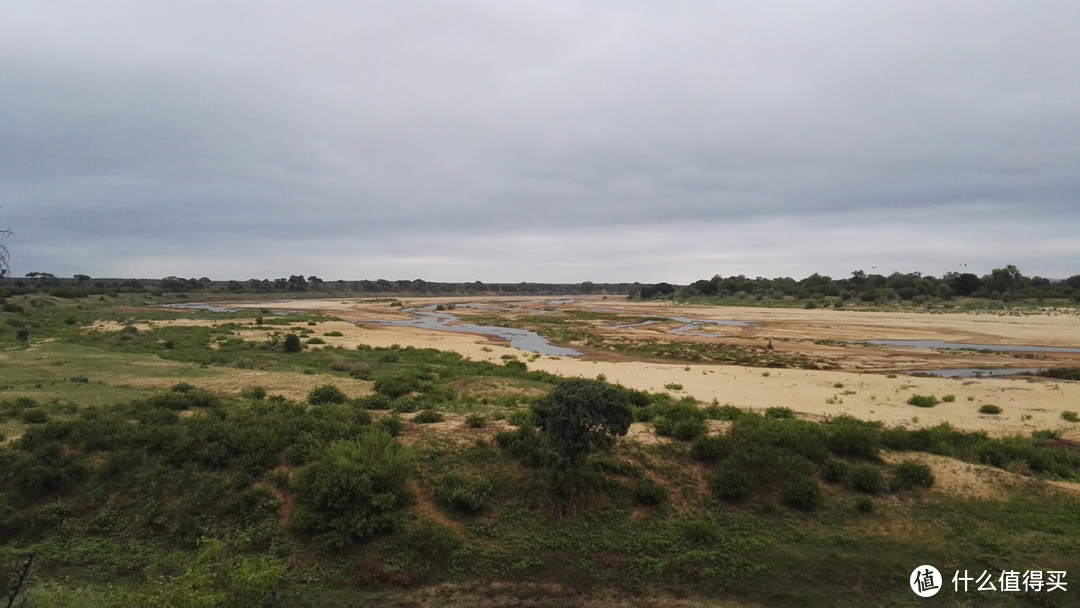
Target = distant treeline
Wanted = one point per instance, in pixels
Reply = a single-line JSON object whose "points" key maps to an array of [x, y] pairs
{"points": [[83, 285], [1006, 284], [1002, 283]]}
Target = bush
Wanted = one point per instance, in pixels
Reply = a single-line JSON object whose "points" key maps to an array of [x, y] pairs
{"points": [[1070, 416], [256, 393], [392, 423], [849, 436], [801, 493], [333, 334], [354, 489], [731, 482], [949, 398], [397, 386], [375, 402], [361, 371], [866, 478], [522, 418], [673, 386], [779, 412], [316, 340], [647, 492], [292, 343], [475, 421], [710, 448], [923, 400], [428, 417], [835, 470], [460, 493], [911, 473], [989, 408], [326, 393], [34, 415]]}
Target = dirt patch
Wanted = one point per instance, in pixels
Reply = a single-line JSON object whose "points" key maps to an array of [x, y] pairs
{"points": [[959, 478]]}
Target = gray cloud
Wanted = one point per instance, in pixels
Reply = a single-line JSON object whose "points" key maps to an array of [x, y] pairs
{"points": [[554, 141]]}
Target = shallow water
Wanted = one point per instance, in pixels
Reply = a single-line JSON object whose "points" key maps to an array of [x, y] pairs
{"points": [[519, 338]]}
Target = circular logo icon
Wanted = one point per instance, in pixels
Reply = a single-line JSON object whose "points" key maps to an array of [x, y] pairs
{"points": [[925, 581]]}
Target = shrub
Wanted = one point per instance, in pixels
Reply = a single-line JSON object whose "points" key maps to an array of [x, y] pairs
{"points": [[731, 482], [361, 371], [866, 478], [397, 386], [864, 504], [673, 386], [316, 340], [256, 393], [923, 400], [34, 415], [835, 470], [849, 436], [723, 412], [647, 492], [375, 402], [292, 343], [1070, 416], [949, 398], [989, 408], [80, 379], [392, 423], [460, 493], [711, 448], [475, 421], [911, 473], [333, 334], [428, 417], [354, 489], [801, 493], [779, 412], [326, 393]]}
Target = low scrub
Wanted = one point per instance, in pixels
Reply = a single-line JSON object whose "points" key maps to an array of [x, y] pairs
{"points": [[923, 400]]}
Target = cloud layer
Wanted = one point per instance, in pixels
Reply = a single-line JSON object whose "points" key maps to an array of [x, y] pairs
{"points": [[556, 141]]}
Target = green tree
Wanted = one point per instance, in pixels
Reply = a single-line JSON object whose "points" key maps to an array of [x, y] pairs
{"points": [[292, 343], [580, 416]]}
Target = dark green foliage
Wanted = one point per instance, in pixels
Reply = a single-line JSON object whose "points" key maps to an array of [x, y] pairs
{"points": [[353, 489], [1070, 416], [528, 446], [1063, 373], [397, 386], [804, 438], [723, 412], [800, 492], [779, 412], [326, 393], [33, 415], [911, 473], [475, 421], [682, 420], [524, 418], [428, 416], [256, 393], [989, 408], [392, 423], [923, 400], [645, 491], [292, 343], [461, 493], [849, 436], [184, 397], [580, 416], [375, 402], [866, 478], [731, 482], [834, 470], [711, 448]]}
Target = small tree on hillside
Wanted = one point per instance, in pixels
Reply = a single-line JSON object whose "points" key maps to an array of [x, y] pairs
{"points": [[580, 416]]}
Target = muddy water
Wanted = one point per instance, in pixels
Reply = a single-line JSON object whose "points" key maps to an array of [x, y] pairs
{"points": [[519, 338]]}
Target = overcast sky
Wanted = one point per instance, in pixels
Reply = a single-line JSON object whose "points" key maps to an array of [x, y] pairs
{"points": [[508, 141]]}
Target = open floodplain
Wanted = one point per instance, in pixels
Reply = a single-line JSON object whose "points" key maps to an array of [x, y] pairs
{"points": [[354, 452]]}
